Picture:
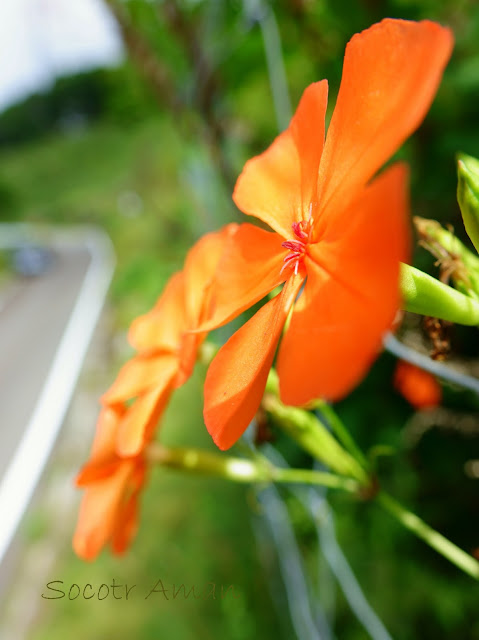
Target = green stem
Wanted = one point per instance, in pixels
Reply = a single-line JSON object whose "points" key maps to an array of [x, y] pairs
{"points": [[199, 461], [240, 469], [425, 295], [245, 471], [307, 476], [340, 430], [313, 437], [442, 545]]}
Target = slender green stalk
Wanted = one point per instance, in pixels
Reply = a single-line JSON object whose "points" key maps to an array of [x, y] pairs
{"points": [[215, 464], [425, 295], [246, 471], [340, 431], [439, 543], [307, 476], [242, 470], [313, 437]]}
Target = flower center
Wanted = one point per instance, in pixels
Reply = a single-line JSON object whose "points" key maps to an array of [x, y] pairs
{"points": [[297, 246]]}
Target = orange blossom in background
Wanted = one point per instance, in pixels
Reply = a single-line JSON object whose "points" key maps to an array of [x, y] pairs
{"points": [[132, 407]]}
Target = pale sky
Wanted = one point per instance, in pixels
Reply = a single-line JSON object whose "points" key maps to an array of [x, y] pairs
{"points": [[42, 39]]}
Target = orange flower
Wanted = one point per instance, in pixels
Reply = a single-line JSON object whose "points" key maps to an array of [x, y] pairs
{"points": [[167, 352], [419, 387], [337, 231], [116, 471], [109, 509]]}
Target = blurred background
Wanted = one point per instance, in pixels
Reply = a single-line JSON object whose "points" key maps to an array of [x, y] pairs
{"points": [[133, 118]]}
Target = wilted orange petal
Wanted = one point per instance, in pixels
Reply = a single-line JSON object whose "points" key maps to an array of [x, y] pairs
{"points": [[237, 376], [390, 76], [140, 421], [161, 328], [350, 297], [307, 128], [269, 186], [140, 374], [248, 270], [98, 513]]}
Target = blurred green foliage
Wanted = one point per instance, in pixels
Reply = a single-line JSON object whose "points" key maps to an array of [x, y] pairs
{"points": [[147, 164]]}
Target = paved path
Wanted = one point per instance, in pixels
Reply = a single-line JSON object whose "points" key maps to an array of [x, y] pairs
{"points": [[33, 316]]}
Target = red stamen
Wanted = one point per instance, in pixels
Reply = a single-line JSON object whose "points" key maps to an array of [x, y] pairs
{"points": [[297, 248], [293, 245], [298, 230]]}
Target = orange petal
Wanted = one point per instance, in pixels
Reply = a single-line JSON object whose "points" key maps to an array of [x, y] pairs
{"points": [[199, 270], [161, 328], [307, 128], [350, 297], [364, 244], [237, 376], [390, 76], [269, 186], [140, 374], [141, 419], [98, 513], [419, 387], [188, 355], [127, 525], [106, 428], [249, 269], [128, 515], [96, 470], [103, 460]]}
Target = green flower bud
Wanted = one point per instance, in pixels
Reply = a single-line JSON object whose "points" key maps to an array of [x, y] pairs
{"points": [[468, 195]]}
